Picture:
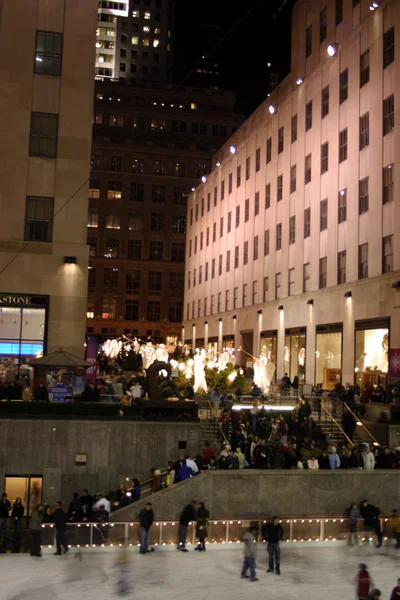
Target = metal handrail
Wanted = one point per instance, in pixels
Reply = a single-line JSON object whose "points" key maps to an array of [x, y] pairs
{"points": [[217, 420], [337, 425], [359, 422]]}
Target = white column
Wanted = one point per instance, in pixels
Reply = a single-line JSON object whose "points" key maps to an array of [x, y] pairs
{"points": [[205, 334], [280, 367], [348, 342], [310, 347], [220, 328]]}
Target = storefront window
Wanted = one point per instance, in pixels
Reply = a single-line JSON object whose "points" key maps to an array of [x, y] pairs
{"points": [[22, 335], [268, 343], [212, 348], [328, 356], [295, 354], [371, 354], [28, 488]]}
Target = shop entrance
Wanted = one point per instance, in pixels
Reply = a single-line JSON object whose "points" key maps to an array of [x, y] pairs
{"points": [[247, 345], [27, 487]]}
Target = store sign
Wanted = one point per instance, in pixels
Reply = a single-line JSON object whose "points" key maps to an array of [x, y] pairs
{"points": [[81, 459], [22, 300]]}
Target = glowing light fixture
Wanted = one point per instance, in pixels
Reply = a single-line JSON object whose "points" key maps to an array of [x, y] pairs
{"points": [[280, 307], [204, 178], [232, 149], [348, 294], [299, 80], [331, 49], [272, 109], [374, 6], [218, 164]]}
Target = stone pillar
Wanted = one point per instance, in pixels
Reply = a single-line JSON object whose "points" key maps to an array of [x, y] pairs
{"points": [[348, 342], [310, 347]]}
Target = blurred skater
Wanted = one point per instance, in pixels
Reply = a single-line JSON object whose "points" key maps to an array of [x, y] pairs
{"points": [[250, 553], [364, 582], [124, 586]]}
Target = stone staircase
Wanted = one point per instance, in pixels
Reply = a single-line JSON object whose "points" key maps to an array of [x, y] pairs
{"points": [[329, 428]]}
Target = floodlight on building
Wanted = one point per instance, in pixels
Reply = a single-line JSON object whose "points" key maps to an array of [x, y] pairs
{"points": [[280, 307], [299, 80], [193, 189], [259, 312], [220, 320], [218, 164], [232, 149], [272, 109], [205, 322], [342, 192], [70, 260], [204, 178], [396, 285], [234, 317], [310, 302], [348, 294], [374, 6], [332, 49]]}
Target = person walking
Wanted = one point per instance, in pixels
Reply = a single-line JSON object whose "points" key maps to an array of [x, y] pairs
{"points": [[5, 508], [273, 534], [201, 526], [16, 516], [35, 524], [363, 582], [146, 519], [250, 554], [370, 514], [188, 515], [60, 522], [354, 514], [395, 595]]}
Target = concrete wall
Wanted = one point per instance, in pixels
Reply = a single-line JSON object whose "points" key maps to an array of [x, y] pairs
{"points": [[115, 450], [244, 494]]}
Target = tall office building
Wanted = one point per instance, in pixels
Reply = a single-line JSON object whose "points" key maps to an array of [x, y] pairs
{"points": [[299, 255], [46, 95], [151, 145], [134, 40]]}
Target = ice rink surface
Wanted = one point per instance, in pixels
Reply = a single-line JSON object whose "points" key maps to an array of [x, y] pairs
{"points": [[312, 573]]}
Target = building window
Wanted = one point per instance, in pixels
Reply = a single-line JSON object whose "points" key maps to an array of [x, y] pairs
{"points": [[48, 53], [159, 167], [364, 68], [228, 261], [292, 230], [222, 189], [258, 159], [267, 195], [280, 139], [255, 248], [387, 254], [220, 265], [190, 248], [208, 236], [43, 135], [307, 222], [200, 274], [254, 293], [230, 183], [238, 175], [158, 194], [307, 169], [279, 188], [322, 272], [269, 150], [324, 157], [153, 310], [343, 145], [226, 300], [306, 277], [93, 217], [279, 236], [221, 227], [248, 164], [308, 41], [157, 222], [92, 282], [364, 131], [266, 242], [180, 169], [246, 253], [292, 179], [229, 224], [155, 282], [388, 114], [235, 297], [116, 120], [265, 289], [344, 86], [294, 129], [114, 190], [134, 249], [39, 214], [325, 102], [110, 281], [338, 12], [206, 272], [237, 216], [116, 163], [94, 188], [323, 23], [387, 184], [388, 47], [277, 286], [156, 250], [363, 196], [256, 203], [308, 115], [363, 261], [341, 274], [244, 294], [112, 247], [323, 216], [197, 212], [246, 210], [131, 310], [132, 282], [291, 282], [236, 257], [175, 312], [342, 206], [328, 356], [113, 222], [215, 196], [214, 232], [137, 165]]}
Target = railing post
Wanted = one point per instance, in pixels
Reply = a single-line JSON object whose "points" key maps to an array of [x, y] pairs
{"points": [[91, 534], [227, 533], [322, 530], [126, 534], [160, 536], [291, 530]]}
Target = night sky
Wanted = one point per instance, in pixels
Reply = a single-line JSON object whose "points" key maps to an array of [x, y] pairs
{"points": [[243, 56]]}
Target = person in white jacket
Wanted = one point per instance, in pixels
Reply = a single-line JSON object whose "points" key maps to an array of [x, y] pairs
{"points": [[313, 464], [368, 458]]}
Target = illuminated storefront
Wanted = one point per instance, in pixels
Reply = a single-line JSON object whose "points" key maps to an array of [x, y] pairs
{"points": [[268, 347], [371, 352], [23, 333], [328, 355], [295, 353]]}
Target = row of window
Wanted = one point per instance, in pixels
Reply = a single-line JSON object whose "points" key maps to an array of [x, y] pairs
{"points": [[156, 250], [153, 310], [363, 206], [135, 164], [174, 126], [136, 221], [134, 283], [115, 191], [387, 267]]}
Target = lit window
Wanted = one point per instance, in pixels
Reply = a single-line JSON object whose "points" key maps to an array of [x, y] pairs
{"points": [[193, 106], [135, 40], [157, 31], [147, 16], [146, 42], [146, 29], [156, 43], [136, 14]]}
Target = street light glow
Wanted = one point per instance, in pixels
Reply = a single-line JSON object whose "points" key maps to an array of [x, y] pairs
{"points": [[272, 109], [232, 149], [331, 50], [204, 178]]}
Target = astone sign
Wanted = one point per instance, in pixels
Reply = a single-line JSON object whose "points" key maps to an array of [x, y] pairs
{"points": [[7, 299]]}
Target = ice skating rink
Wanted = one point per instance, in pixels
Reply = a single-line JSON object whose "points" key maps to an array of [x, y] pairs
{"points": [[308, 571]]}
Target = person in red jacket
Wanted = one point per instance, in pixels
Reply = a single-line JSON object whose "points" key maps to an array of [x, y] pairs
{"points": [[207, 452], [396, 591], [363, 582], [225, 420]]}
